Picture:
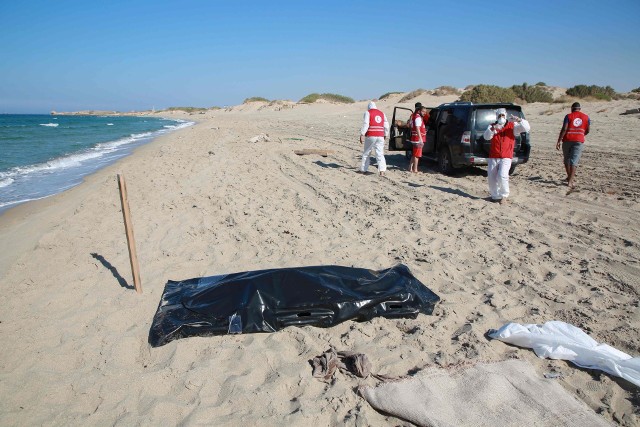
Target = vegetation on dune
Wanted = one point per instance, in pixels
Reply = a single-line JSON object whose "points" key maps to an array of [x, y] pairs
{"points": [[412, 94], [187, 109], [388, 94], [488, 94], [255, 99], [331, 97], [491, 93], [532, 93], [446, 90], [636, 90], [606, 93]]}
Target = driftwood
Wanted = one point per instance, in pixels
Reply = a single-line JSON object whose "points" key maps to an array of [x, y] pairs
{"points": [[323, 153], [633, 111]]}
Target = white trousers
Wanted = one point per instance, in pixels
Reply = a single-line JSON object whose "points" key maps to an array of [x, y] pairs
{"points": [[498, 174], [373, 143]]}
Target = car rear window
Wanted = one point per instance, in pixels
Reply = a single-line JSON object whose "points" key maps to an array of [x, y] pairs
{"points": [[484, 117]]}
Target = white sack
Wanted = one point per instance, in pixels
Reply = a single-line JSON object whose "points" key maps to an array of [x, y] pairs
{"points": [[502, 394], [560, 340]]}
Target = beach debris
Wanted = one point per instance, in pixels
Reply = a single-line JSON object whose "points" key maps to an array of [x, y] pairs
{"points": [[323, 153], [263, 137], [271, 300], [560, 340], [632, 111], [128, 226], [348, 362], [325, 365]]}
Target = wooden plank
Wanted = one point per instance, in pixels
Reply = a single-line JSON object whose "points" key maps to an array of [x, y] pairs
{"points": [[323, 153], [128, 227]]}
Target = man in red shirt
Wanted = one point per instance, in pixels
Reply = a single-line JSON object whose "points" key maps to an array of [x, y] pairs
{"points": [[575, 127], [418, 135], [502, 135]]}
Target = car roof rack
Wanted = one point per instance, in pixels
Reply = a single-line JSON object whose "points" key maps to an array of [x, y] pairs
{"points": [[457, 103]]}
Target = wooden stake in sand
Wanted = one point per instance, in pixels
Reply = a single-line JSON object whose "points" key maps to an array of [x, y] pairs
{"points": [[128, 227]]}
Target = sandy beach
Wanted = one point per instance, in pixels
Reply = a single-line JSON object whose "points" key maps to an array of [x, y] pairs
{"points": [[205, 200]]}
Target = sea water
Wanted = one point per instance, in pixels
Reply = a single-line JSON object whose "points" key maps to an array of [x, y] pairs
{"points": [[41, 155]]}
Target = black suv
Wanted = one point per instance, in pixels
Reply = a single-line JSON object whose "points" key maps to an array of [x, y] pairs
{"points": [[455, 134]]}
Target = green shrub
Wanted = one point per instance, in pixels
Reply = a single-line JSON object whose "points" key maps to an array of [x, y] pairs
{"points": [[583, 91], [636, 90], [412, 94], [331, 97], [532, 93], [488, 94], [388, 94], [446, 90], [255, 99], [186, 109], [541, 84]]}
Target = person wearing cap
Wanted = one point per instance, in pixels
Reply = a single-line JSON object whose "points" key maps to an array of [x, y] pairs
{"points": [[575, 127], [374, 130], [502, 135], [418, 124]]}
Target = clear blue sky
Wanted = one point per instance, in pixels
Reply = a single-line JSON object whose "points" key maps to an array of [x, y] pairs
{"points": [[123, 55]]}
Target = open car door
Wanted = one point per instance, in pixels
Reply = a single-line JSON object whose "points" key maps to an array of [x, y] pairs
{"points": [[400, 138]]}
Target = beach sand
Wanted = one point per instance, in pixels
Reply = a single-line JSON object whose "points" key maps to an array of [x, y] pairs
{"points": [[205, 201]]}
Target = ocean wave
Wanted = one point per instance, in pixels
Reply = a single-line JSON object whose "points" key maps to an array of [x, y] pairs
{"points": [[109, 124], [182, 124], [51, 165], [5, 182], [52, 125]]}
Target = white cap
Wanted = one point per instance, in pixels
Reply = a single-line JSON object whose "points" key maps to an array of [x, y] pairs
{"points": [[371, 106], [501, 111]]}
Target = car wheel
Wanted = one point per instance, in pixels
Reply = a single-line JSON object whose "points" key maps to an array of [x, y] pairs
{"points": [[444, 161], [512, 169]]}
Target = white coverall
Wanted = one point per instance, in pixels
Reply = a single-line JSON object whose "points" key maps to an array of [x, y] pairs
{"points": [[498, 169], [373, 143]]}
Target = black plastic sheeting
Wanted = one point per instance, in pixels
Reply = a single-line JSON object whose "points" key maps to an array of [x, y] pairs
{"points": [[269, 300]]}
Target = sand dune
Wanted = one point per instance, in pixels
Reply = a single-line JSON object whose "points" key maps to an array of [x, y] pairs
{"points": [[205, 201]]}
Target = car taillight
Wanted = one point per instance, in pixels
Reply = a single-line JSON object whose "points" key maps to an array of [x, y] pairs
{"points": [[466, 137]]}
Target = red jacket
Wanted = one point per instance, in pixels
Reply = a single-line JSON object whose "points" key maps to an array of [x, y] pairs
{"points": [[577, 124], [503, 142], [423, 128], [376, 123]]}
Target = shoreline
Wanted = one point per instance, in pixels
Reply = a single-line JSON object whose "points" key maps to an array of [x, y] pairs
{"points": [[74, 175], [206, 201], [15, 216]]}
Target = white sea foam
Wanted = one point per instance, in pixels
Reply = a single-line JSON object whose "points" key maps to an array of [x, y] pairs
{"points": [[182, 124], [5, 182], [52, 125], [109, 124]]}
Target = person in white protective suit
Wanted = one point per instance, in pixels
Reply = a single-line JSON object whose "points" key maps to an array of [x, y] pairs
{"points": [[502, 135], [374, 130]]}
